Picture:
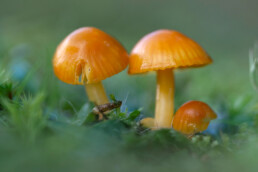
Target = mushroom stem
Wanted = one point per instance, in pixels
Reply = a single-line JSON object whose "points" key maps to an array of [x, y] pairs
{"points": [[96, 93], [164, 109]]}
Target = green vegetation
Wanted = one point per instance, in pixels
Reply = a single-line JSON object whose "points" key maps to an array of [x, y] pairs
{"points": [[35, 137]]}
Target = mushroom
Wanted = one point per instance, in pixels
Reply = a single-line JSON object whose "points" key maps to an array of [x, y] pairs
{"points": [[147, 123], [193, 117], [163, 51], [86, 57]]}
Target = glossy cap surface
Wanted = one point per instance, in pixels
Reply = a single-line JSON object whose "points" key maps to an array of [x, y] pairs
{"points": [[164, 49], [193, 117], [88, 55]]}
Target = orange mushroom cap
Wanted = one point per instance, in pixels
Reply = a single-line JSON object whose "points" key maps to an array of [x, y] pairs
{"points": [[193, 117], [163, 49], [90, 53]]}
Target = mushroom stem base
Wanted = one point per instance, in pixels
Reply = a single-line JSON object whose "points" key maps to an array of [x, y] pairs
{"points": [[164, 99], [96, 93]]}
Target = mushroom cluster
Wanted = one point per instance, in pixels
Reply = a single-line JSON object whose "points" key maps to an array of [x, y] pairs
{"points": [[88, 55], [163, 51]]}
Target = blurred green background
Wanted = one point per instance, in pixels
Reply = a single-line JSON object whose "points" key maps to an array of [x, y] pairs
{"points": [[30, 31]]}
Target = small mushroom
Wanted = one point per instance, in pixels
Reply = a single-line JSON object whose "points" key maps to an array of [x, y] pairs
{"points": [[86, 57], [148, 123], [193, 117], [163, 51]]}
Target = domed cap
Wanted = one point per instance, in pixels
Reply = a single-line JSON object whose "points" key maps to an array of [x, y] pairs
{"points": [[165, 49], [88, 55], [193, 117]]}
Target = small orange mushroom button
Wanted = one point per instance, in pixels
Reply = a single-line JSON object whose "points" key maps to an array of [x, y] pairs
{"points": [[193, 117]]}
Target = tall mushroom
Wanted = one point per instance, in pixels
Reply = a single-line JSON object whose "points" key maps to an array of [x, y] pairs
{"points": [[163, 51], [88, 56]]}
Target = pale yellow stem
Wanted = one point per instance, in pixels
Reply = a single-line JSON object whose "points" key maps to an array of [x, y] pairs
{"points": [[96, 93], [164, 109]]}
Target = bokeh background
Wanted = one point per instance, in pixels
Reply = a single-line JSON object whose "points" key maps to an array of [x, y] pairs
{"points": [[30, 31]]}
